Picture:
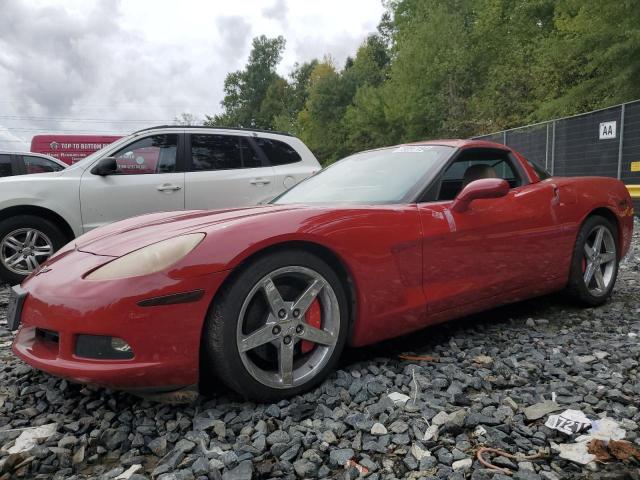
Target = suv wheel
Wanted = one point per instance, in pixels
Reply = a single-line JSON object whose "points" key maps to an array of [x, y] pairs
{"points": [[26, 241]]}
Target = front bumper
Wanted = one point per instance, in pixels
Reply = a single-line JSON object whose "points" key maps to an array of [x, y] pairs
{"points": [[165, 339]]}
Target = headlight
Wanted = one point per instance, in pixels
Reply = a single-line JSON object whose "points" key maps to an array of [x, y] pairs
{"points": [[150, 259]]}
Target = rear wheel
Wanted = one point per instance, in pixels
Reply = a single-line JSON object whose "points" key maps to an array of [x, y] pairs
{"points": [[278, 329], [594, 265], [26, 241]]}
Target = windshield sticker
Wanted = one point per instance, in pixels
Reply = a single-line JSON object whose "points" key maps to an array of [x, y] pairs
{"points": [[411, 149]]}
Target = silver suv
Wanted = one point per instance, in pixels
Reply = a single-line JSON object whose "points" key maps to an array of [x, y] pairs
{"points": [[153, 170]]}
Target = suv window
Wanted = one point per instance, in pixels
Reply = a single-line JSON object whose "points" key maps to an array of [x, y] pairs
{"points": [[476, 164], [278, 153], [5, 166], [39, 165], [154, 154], [221, 152]]}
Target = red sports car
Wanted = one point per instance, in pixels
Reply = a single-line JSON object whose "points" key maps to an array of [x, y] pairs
{"points": [[264, 299]]}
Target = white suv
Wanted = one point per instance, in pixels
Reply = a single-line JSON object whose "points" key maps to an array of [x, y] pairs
{"points": [[153, 170]]}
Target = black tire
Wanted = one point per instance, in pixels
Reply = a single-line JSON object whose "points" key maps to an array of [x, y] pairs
{"points": [[577, 289], [221, 357], [49, 229]]}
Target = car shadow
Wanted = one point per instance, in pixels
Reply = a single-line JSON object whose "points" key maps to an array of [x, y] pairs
{"points": [[428, 338]]}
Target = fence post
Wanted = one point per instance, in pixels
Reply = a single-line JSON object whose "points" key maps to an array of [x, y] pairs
{"points": [[621, 140], [546, 150], [553, 148]]}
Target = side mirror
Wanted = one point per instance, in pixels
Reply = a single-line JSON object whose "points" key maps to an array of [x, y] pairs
{"points": [[483, 188], [106, 166]]}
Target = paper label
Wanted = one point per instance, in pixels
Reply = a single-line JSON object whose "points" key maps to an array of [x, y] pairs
{"points": [[569, 422], [412, 149]]}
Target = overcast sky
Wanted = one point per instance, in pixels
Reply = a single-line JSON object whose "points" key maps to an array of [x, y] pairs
{"points": [[109, 66]]}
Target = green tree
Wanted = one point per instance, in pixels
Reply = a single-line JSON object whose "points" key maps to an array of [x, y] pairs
{"points": [[186, 119], [592, 58], [445, 69], [429, 79], [505, 45], [294, 97], [245, 90], [319, 123]]}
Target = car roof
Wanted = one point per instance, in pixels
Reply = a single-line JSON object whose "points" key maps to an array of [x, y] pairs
{"points": [[182, 127], [461, 143]]}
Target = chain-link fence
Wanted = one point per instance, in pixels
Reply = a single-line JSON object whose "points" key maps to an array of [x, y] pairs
{"points": [[603, 142]]}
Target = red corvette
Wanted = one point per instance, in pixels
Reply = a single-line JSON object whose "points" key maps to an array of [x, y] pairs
{"points": [[264, 299]]}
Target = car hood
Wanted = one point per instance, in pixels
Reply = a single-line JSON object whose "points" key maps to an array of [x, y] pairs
{"points": [[30, 177], [126, 236]]}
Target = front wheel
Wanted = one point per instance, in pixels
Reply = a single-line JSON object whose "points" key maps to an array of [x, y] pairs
{"points": [[594, 266], [278, 328]]}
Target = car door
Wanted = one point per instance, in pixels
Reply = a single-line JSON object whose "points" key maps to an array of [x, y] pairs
{"points": [[497, 246], [150, 178], [225, 171]]}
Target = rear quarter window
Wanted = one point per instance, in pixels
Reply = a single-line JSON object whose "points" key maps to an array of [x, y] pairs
{"points": [[5, 166], [278, 152], [541, 172]]}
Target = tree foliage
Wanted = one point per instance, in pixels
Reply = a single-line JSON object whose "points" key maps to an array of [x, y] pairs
{"points": [[246, 90], [186, 119], [445, 69]]}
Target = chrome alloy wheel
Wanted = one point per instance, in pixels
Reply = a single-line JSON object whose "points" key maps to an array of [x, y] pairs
{"points": [[24, 249], [270, 348], [600, 259]]}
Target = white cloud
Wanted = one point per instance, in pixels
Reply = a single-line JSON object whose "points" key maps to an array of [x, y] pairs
{"points": [[277, 11], [11, 142], [96, 66]]}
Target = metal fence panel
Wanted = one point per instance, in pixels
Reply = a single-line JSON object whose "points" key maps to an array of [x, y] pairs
{"points": [[630, 167], [579, 151], [494, 137], [604, 143], [531, 142]]}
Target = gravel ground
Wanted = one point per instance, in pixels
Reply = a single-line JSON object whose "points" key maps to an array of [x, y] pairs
{"points": [[487, 370]]}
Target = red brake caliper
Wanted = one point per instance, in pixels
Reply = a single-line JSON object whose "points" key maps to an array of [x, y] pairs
{"points": [[313, 317]]}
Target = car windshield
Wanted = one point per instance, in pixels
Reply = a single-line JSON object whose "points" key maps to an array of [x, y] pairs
{"points": [[389, 175]]}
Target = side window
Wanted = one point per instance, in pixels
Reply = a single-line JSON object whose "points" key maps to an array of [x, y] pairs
{"points": [[278, 153], [154, 154], [222, 152], [40, 165], [5, 166], [474, 165]]}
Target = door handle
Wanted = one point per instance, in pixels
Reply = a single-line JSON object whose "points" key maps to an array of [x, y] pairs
{"points": [[259, 181], [168, 188]]}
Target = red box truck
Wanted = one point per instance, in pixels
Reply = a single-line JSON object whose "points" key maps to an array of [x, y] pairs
{"points": [[70, 148]]}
